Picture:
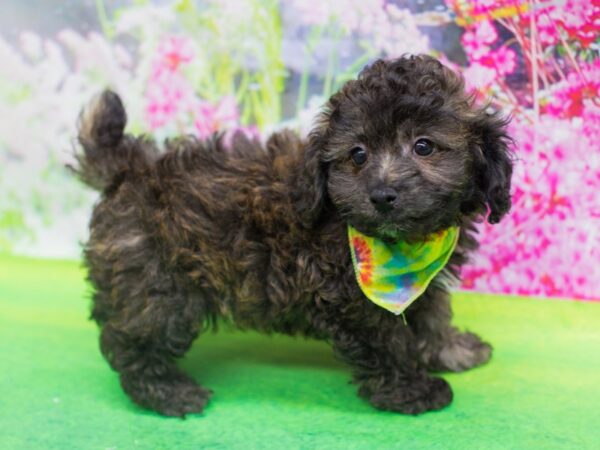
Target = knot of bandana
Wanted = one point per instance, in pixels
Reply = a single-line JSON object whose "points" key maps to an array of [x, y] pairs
{"points": [[395, 275]]}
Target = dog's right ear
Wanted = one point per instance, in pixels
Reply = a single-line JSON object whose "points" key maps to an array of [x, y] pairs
{"points": [[310, 188]]}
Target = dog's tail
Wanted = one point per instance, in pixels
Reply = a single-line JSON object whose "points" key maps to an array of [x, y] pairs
{"points": [[108, 153]]}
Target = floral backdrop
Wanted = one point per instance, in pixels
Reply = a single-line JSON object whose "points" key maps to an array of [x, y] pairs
{"points": [[187, 66]]}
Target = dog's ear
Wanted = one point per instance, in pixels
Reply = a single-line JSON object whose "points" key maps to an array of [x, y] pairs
{"points": [[310, 188], [493, 163]]}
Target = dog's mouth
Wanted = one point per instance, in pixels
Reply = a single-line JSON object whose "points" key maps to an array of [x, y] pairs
{"points": [[384, 228], [393, 225]]}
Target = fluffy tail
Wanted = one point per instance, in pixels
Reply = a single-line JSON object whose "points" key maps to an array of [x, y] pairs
{"points": [[107, 151]]}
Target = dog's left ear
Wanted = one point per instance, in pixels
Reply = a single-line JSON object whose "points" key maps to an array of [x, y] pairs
{"points": [[493, 163]]}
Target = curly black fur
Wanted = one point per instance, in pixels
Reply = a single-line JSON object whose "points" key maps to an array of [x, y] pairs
{"points": [[256, 234]]}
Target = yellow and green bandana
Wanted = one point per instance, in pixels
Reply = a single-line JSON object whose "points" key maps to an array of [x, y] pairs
{"points": [[395, 275]]}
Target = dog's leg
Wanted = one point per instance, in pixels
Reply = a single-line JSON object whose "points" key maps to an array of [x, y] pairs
{"points": [[441, 346], [142, 342], [387, 370]]}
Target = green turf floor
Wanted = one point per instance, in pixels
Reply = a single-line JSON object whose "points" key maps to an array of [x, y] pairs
{"points": [[541, 389]]}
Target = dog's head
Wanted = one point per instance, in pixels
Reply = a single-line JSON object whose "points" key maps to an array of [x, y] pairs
{"points": [[403, 152]]}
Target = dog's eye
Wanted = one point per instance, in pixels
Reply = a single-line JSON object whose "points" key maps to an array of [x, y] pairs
{"points": [[358, 155], [423, 147]]}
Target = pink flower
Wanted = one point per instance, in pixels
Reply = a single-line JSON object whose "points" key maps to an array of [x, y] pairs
{"points": [[504, 60], [578, 18], [474, 47], [486, 64], [477, 38], [479, 77], [165, 98], [167, 88], [173, 52], [171, 99], [546, 28], [581, 20], [210, 118], [479, 34], [571, 97]]}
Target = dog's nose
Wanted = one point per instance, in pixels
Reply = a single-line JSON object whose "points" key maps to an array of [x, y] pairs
{"points": [[383, 198]]}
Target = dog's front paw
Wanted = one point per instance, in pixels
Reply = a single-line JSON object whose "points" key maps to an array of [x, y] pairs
{"points": [[170, 395], [463, 352], [413, 396]]}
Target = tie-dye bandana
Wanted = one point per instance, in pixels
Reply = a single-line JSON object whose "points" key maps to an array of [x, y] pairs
{"points": [[394, 275]]}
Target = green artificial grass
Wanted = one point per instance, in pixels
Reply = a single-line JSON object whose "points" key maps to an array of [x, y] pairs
{"points": [[541, 389]]}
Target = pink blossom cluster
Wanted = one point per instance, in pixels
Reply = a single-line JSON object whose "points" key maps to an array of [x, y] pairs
{"points": [[578, 19], [550, 242], [575, 94], [167, 87], [171, 99], [486, 64]]}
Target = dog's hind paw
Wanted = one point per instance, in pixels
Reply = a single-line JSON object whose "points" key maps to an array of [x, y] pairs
{"points": [[170, 395]]}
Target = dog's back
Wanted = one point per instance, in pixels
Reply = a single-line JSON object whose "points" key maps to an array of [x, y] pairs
{"points": [[110, 156], [193, 215]]}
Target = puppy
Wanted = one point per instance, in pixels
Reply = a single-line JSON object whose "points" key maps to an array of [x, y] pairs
{"points": [[258, 235]]}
